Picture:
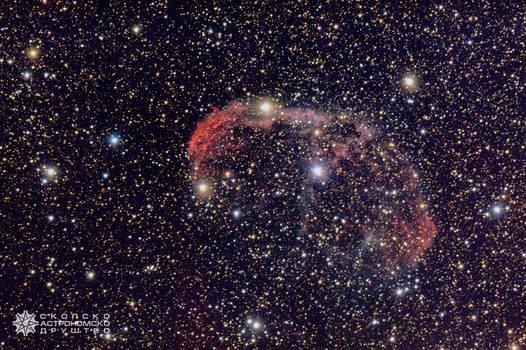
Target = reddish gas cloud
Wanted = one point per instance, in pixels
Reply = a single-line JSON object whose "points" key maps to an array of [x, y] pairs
{"points": [[209, 138], [364, 178]]}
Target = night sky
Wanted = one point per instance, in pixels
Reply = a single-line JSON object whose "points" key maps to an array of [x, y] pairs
{"points": [[264, 175]]}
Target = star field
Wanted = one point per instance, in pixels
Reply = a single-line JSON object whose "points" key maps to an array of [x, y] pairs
{"points": [[264, 176]]}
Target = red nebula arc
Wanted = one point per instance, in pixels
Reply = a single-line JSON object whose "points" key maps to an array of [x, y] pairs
{"points": [[393, 218], [210, 134]]}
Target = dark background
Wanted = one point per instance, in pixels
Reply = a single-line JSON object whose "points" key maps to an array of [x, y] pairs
{"points": [[151, 88]]}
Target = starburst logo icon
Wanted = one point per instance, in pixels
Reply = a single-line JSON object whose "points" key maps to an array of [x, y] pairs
{"points": [[25, 323]]}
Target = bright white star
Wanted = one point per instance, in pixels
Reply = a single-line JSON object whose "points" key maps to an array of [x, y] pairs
{"points": [[265, 106]]}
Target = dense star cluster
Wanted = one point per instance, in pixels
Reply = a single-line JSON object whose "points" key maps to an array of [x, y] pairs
{"points": [[262, 175]]}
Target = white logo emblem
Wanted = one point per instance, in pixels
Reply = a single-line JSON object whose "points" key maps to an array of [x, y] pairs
{"points": [[25, 323]]}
